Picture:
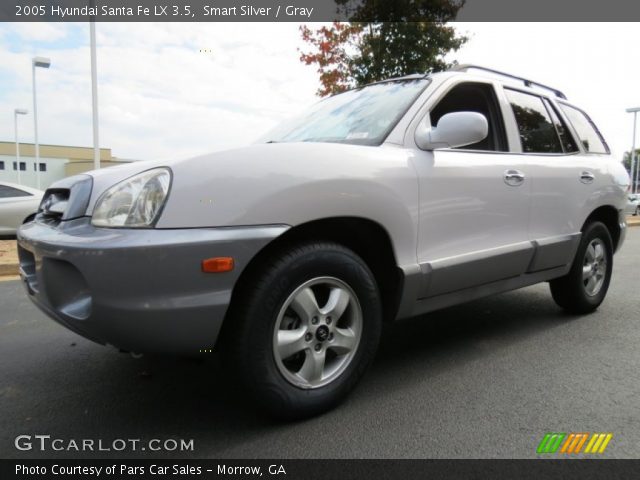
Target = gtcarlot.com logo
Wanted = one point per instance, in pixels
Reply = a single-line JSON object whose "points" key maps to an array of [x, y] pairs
{"points": [[45, 443], [574, 443]]}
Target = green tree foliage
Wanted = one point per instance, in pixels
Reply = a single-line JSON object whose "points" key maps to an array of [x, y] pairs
{"points": [[408, 36], [626, 159]]}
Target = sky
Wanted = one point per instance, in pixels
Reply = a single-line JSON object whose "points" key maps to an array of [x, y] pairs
{"points": [[175, 90]]}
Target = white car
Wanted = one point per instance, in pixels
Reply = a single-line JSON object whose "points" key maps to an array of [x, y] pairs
{"points": [[633, 205], [17, 202], [378, 204]]}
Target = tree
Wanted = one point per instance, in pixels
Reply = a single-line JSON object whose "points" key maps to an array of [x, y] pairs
{"points": [[399, 42], [626, 159], [331, 54]]}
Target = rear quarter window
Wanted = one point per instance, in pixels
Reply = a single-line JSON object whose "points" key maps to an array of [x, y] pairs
{"points": [[588, 134], [535, 126], [10, 192]]}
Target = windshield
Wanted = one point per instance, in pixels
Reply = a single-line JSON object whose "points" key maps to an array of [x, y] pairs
{"points": [[362, 116]]}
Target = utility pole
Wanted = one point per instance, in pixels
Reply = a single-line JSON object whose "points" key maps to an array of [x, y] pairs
{"points": [[634, 161], [94, 96]]}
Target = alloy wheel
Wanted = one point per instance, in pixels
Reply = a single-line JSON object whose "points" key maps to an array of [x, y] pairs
{"points": [[317, 332], [594, 267]]}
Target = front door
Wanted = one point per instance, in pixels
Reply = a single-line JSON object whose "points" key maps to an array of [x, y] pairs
{"points": [[474, 202]]}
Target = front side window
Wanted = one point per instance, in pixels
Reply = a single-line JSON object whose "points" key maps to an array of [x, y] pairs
{"points": [[474, 97], [9, 192], [537, 132], [587, 132], [363, 116]]}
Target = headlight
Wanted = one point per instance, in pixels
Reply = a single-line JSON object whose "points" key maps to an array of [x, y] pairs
{"points": [[134, 202]]}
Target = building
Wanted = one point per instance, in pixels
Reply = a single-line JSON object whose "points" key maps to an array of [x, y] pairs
{"points": [[56, 162]]}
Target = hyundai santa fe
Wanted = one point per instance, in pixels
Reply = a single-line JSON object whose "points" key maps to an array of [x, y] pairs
{"points": [[378, 204]]}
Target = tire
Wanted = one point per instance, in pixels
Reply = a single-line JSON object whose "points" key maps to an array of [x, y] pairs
{"points": [[581, 290], [279, 299]]}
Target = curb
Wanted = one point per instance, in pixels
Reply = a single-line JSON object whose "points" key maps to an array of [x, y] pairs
{"points": [[8, 269], [11, 270]]}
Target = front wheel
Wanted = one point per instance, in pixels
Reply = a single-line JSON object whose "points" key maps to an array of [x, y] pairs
{"points": [[583, 289], [305, 329]]}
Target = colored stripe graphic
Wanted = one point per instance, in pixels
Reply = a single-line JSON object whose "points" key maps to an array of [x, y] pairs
{"points": [[598, 443], [581, 443], [572, 443], [551, 442]]}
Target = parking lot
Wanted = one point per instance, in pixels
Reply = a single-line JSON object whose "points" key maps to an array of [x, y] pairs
{"points": [[484, 379]]}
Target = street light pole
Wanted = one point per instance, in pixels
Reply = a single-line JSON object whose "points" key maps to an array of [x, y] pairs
{"points": [[43, 63], [16, 112], [94, 96], [635, 166], [633, 153], [635, 184]]}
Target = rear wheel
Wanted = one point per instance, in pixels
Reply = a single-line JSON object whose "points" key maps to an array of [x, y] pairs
{"points": [[305, 329], [584, 288]]}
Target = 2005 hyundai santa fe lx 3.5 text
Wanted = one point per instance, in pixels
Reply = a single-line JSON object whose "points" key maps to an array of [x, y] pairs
{"points": [[381, 203]]}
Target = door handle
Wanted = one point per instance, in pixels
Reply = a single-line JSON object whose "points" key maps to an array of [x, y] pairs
{"points": [[513, 178], [587, 177]]}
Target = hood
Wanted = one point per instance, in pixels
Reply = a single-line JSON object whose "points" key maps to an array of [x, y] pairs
{"points": [[229, 173]]}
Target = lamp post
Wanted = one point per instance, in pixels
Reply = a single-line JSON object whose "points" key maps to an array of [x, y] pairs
{"points": [[94, 95], [16, 112], [634, 167], [41, 62]]}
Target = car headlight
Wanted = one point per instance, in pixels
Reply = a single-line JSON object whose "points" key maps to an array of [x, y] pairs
{"points": [[135, 202]]}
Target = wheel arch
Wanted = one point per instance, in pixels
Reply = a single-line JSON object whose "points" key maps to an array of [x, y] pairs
{"points": [[365, 237], [608, 215]]}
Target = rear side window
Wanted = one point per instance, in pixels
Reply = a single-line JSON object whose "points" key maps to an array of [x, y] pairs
{"points": [[9, 192], [586, 130], [567, 140], [537, 132]]}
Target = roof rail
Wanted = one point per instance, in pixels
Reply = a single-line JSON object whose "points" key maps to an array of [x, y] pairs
{"points": [[528, 83]]}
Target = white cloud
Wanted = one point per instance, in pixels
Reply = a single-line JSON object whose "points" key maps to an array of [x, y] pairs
{"points": [[592, 63], [162, 97], [41, 32], [167, 90]]}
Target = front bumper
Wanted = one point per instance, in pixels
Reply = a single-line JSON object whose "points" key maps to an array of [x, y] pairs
{"points": [[139, 290]]}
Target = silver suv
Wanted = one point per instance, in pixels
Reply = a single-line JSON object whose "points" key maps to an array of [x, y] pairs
{"points": [[378, 204]]}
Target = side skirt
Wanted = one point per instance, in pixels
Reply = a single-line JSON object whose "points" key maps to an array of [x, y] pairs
{"points": [[468, 294], [450, 281]]}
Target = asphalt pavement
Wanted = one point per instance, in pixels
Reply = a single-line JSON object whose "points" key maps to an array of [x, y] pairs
{"points": [[485, 379]]}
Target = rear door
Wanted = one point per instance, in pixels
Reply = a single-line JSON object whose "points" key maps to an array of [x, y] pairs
{"points": [[564, 176]]}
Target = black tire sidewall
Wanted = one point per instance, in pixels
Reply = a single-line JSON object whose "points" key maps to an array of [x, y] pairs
{"points": [[591, 232], [296, 267]]}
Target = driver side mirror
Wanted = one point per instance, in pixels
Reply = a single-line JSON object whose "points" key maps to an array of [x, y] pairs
{"points": [[455, 129]]}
